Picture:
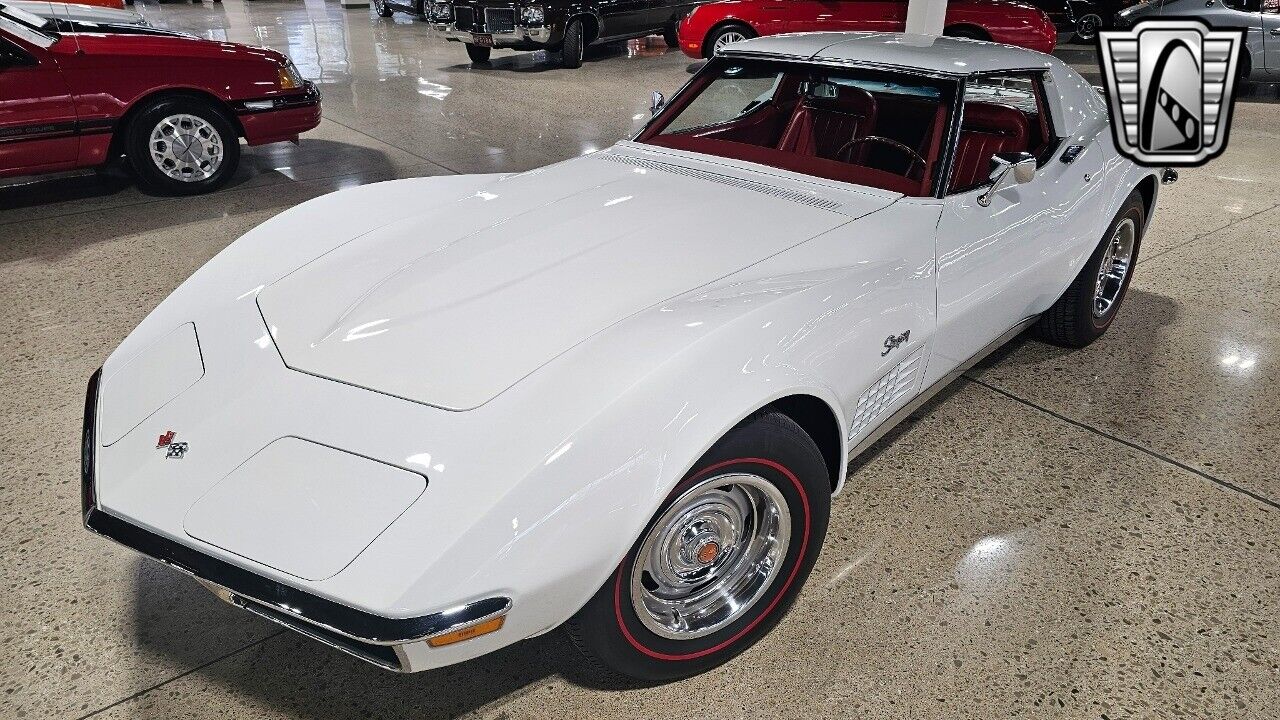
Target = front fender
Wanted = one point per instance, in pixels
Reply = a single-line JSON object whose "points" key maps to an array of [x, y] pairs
{"points": [[558, 532]]}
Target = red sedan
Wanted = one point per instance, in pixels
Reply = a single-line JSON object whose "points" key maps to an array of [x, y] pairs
{"points": [[720, 23], [174, 105]]}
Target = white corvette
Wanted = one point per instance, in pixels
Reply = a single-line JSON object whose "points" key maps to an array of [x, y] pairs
{"points": [[424, 419]]}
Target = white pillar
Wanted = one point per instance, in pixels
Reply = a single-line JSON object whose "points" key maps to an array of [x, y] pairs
{"points": [[926, 17]]}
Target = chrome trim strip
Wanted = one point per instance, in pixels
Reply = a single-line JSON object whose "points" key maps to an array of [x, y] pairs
{"points": [[883, 428], [400, 666], [839, 63], [474, 621]]}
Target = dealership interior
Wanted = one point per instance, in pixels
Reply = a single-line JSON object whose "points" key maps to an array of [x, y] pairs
{"points": [[1085, 534]]}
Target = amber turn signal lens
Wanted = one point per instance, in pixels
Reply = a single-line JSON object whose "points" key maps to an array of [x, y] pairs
{"points": [[287, 81], [467, 633]]}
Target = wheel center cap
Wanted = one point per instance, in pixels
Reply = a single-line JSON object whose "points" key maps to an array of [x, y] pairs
{"points": [[708, 552]]}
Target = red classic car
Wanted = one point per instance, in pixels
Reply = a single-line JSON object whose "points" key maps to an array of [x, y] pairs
{"points": [[174, 105], [719, 23]]}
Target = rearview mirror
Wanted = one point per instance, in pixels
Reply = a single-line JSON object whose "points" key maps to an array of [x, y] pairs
{"points": [[818, 89], [1007, 170], [656, 103]]}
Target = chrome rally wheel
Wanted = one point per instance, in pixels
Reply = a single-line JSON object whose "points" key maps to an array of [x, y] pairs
{"points": [[710, 556], [1114, 268], [719, 563], [186, 148]]}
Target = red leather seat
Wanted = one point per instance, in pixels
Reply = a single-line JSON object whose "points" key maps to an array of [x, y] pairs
{"points": [[986, 130], [822, 126]]}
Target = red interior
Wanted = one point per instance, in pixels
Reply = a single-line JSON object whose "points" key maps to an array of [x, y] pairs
{"points": [[806, 164], [987, 129], [798, 131], [823, 126], [888, 135]]}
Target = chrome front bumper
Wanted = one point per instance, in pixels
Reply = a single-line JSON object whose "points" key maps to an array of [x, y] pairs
{"points": [[518, 36], [372, 638]]}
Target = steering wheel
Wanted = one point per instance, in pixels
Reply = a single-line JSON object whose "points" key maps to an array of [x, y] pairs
{"points": [[912, 155]]}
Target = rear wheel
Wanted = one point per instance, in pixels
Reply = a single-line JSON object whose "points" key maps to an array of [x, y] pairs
{"points": [[671, 36], [966, 32], [478, 53], [725, 35], [1087, 308], [574, 45], [181, 146], [382, 8], [720, 562]]}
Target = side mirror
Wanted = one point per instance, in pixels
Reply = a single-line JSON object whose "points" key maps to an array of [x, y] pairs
{"points": [[1007, 170], [656, 103]]}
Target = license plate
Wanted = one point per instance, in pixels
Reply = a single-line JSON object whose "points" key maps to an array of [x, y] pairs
{"points": [[482, 40]]}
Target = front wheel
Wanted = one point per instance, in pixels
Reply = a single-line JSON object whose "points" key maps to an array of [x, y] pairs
{"points": [[724, 36], [181, 146], [720, 562], [571, 53], [382, 8], [1088, 307], [478, 53]]}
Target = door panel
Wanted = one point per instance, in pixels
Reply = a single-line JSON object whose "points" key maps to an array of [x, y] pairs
{"points": [[1270, 36], [1001, 264], [37, 116], [661, 13], [625, 17], [847, 15]]}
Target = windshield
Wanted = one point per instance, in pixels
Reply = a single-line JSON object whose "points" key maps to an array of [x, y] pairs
{"points": [[24, 25], [876, 128]]}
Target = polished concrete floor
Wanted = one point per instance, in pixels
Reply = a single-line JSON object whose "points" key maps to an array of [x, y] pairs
{"points": [[1088, 534]]}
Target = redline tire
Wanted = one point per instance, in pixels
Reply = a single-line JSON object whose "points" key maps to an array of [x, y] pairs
{"points": [[768, 446]]}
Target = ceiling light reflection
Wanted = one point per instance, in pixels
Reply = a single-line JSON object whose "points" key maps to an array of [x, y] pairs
{"points": [[1239, 361]]}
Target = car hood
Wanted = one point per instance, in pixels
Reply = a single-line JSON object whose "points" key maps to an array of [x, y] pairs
{"points": [[451, 306], [132, 41]]}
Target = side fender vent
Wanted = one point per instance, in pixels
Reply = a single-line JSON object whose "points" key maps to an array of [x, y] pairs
{"points": [[804, 198], [884, 394]]}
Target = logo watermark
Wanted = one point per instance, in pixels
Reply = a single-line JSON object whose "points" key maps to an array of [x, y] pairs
{"points": [[1171, 85]]}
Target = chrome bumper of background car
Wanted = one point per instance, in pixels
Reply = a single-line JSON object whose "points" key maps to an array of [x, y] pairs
{"points": [[518, 36], [370, 637]]}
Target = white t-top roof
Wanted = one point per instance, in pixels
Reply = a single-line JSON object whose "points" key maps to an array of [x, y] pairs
{"points": [[930, 53]]}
